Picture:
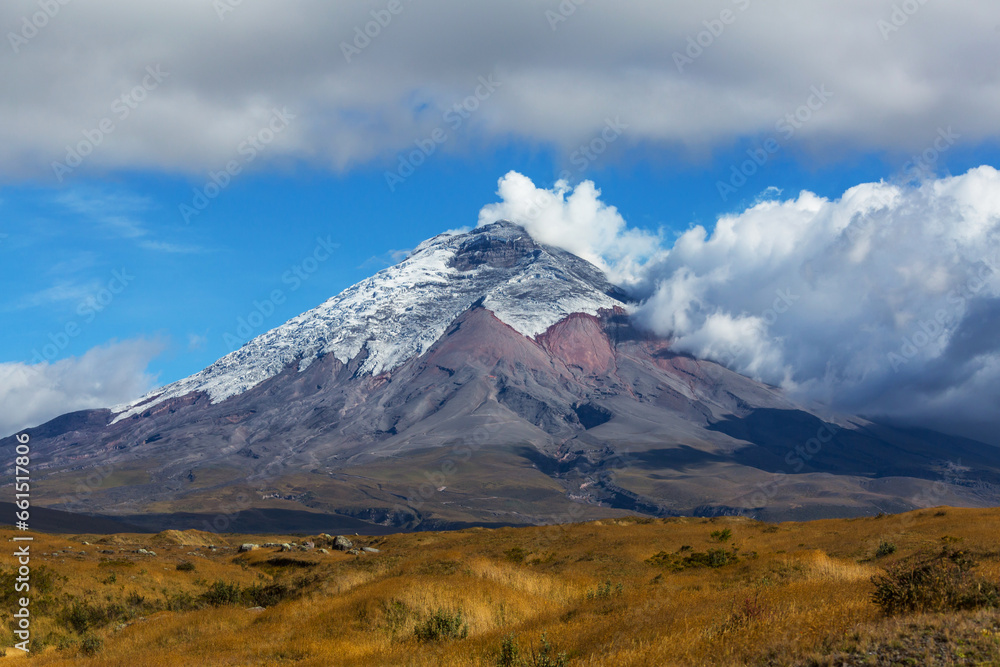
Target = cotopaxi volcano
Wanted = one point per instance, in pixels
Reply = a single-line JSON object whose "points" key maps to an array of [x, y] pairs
{"points": [[485, 379]]}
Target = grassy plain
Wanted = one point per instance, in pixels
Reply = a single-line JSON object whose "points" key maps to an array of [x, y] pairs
{"points": [[631, 591]]}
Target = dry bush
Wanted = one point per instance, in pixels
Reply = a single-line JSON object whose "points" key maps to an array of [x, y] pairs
{"points": [[943, 582]]}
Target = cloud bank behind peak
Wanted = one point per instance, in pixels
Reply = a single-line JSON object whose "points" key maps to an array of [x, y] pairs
{"points": [[883, 302]]}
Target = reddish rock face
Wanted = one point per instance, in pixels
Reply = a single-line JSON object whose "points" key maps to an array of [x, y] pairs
{"points": [[479, 340], [580, 342]]}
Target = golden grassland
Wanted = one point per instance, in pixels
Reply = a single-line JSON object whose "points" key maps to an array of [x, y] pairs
{"points": [[632, 591]]}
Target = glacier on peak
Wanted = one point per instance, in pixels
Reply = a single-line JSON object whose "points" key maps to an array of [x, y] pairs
{"points": [[399, 312]]}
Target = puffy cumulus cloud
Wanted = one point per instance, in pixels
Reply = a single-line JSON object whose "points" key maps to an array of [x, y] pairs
{"points": [[576, 220], [107, 375], [884, 302], [225, 67]]}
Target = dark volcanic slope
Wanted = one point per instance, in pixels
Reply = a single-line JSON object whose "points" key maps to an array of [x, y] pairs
{"points": [[54, 521], [489, 425]]}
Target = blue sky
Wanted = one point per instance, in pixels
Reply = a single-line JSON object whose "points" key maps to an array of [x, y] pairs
{"points": [[188, 284], [301, 120]]}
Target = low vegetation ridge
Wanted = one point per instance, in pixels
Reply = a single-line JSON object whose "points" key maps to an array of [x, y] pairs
{"points": [[919, 588]]}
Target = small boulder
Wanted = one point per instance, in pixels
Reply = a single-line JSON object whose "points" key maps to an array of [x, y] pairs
{"points": [[342, 543], [371, 550], [247, 546], [323, 551]]}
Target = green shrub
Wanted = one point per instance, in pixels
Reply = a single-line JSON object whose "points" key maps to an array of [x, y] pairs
{"points": [[721, 535], [515, 555], [544, 658], [678, 561], [82, 616], [266, 595], [39, 644], [186, 566], [43, 580], [284, 561], [509, 655], [64, 643], [605, 590], [91, 645], [222, 593], [940, 583], [442, 625], [885, 549], [182, 601], [713, 558]]}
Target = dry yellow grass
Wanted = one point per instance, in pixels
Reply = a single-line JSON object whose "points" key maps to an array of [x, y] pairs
{"points": [[799, 593]]}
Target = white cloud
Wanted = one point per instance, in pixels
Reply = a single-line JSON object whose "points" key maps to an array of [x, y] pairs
{"points": [[163, 246], [558, 86], [113, 213], [576, 220], [875, 302], [884, 302], [111, 374], [119, 215], [62, 291]]}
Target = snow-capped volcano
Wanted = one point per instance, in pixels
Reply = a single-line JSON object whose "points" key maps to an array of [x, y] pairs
{"points": [[399, 312], [486, 378]]}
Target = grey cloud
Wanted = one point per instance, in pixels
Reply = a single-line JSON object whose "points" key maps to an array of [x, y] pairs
{"points": [[605, 59]]}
